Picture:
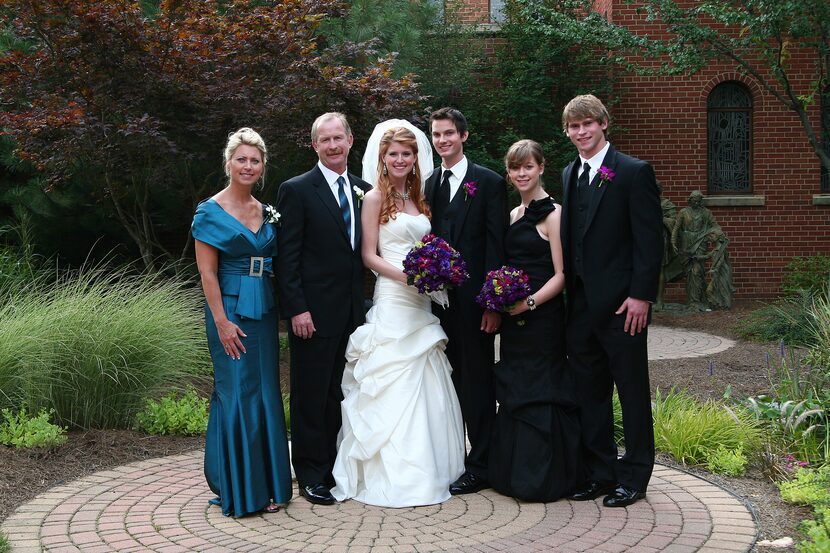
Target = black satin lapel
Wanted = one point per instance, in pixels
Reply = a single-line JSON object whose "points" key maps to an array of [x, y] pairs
{"points": [[610, 161], [358, 205], [468, 201]]}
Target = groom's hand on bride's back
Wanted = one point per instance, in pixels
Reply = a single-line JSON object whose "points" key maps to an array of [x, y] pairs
{"points": [[302, 326]]}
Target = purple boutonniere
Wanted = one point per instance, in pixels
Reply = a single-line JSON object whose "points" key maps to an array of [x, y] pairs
{"points": [[469, 189], [606, 175]]}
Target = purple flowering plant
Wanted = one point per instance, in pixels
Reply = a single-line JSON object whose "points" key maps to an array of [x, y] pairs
{"points": [[502, 288], [470, 189], [433, 265], [606, 175]]}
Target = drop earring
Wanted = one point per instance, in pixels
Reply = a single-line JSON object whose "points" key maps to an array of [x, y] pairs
{"points": [[385, 171], [413, 168]]}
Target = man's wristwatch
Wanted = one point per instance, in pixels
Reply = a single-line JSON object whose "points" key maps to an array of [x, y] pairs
{"points": [[531, 303]]}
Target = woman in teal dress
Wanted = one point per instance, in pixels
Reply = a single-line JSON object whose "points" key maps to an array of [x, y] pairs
{"points": [[246, 450]]}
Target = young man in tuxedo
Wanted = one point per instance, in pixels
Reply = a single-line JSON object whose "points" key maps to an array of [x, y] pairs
{"points": [[320, 280], [469, 210], [612, 246]]}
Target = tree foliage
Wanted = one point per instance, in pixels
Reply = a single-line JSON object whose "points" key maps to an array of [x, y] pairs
{"points": [[131, 103]]}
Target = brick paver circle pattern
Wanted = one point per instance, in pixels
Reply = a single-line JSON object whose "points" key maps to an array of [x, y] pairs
{"points": [[676, 343], [161, 505]]}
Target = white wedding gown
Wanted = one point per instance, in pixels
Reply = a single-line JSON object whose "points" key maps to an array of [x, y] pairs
{"points": [[402, 439]]}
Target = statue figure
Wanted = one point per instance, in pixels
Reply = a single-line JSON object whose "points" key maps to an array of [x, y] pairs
{"points": [[671, 267], [720, 289], [690, 239]]}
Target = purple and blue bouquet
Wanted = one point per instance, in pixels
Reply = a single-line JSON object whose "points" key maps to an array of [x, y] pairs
{"points": [[503, 288], [433, 265]]}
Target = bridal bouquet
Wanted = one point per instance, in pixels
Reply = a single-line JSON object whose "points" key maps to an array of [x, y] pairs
{"points": [[432, 266], [503, 288]]}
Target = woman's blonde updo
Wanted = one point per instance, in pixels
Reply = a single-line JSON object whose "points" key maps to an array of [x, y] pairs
{"points": [[248, 137]]}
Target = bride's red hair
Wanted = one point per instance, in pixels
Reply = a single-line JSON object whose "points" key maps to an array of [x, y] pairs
{"points": [[388, 210]]}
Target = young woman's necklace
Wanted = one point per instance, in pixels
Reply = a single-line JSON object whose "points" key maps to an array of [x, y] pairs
{"points": [[399, 196]]}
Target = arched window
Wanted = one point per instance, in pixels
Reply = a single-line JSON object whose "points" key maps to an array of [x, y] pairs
{"points": [[730, 139]]}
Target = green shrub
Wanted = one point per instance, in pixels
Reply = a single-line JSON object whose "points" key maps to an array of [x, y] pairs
{"points": [[807, 487], [186, 415], [731, 462], [24, 431], [691, 431], [786, 320], [5, 547], [94, 345], [799, 427], [817, 531], [809, 273]]}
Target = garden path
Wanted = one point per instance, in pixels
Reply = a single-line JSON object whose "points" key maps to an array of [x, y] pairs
{"points": [[160, 505]]}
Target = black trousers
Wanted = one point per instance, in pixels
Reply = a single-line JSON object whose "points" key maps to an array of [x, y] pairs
{"points": [[601, 356], [471, 354], [316, 374]]}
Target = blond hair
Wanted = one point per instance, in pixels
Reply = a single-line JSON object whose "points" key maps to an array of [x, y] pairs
{"points": [[248, 137], [584, 107]]}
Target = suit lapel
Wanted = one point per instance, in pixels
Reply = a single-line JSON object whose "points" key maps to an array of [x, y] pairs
{"points": [[357, 203], [468, 201], [431, 185], [321, 187], [610, 161]]}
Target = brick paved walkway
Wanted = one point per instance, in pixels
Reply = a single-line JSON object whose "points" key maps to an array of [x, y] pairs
{"points": [[160, 505]]}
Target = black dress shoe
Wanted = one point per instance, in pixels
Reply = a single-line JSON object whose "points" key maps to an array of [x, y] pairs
{"points": [[622, 496], [592, 491], [318, 494], [468, 483]]}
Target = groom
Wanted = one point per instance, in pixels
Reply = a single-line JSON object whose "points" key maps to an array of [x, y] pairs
{"points": [[612, 240], [469, 210], [320, 279]]}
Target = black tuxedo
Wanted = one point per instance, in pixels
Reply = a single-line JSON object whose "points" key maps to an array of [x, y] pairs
{"points": [[612, 247], [318, 271], [475, 226]]}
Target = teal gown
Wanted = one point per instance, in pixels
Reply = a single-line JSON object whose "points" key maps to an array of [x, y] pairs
{"points": [[246, 450]]}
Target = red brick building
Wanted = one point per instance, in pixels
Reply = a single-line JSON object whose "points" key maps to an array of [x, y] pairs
{"points": [[720, 132]]}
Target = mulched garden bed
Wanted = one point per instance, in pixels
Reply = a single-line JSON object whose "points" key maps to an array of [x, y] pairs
{"points": [[25, 475]]}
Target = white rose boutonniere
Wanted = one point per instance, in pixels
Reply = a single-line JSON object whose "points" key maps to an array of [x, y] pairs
{"points": [[359, 193], [272, 216]]}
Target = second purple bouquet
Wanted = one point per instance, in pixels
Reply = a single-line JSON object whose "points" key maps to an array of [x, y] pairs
{"points": [[433, 265], [503, 288]]}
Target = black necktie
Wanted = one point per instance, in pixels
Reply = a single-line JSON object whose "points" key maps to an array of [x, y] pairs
{"points": [[583, 178], [345, 211]]}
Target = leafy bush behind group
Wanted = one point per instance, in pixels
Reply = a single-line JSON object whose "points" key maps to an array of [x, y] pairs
{"points": [[95, 344]]}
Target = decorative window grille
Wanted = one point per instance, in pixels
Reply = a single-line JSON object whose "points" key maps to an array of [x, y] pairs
{"points": [[729, 110]]}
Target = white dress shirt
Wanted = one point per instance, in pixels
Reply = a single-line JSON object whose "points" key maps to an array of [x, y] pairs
{"points": [[595, 162], [459, 170], [331, 179]]}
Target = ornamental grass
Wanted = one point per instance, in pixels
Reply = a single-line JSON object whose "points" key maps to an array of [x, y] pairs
{"points": [[692, 431], [94, 345]]}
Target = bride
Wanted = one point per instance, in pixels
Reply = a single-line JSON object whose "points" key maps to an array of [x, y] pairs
{"points": [[402, 440]]}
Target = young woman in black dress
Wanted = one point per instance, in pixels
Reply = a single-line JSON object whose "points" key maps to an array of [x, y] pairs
{"points": [[534, 455]]}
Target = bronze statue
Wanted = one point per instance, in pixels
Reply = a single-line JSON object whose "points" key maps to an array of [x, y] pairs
{"points": [[691, 238]]}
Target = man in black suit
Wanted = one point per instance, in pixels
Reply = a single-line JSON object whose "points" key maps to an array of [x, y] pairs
{"points": [[320, 279], [612, 246], [469, 210]]}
